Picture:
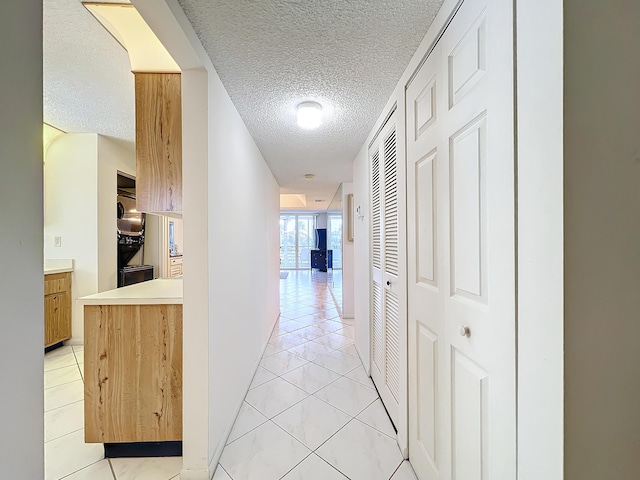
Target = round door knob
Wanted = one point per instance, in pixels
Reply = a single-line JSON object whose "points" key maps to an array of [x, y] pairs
{"points": [[389, 283], [465, 331]]}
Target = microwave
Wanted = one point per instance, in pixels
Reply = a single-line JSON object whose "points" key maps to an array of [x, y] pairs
{"points": [[130, 221]]}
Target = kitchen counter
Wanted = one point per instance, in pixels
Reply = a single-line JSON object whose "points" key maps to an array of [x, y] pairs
{"points": [[161, 291], [133, 367], [57, 266]]}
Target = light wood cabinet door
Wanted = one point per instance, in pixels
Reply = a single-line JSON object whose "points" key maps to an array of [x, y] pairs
{"points": [[133, 373], [175, 266], [57, 308], [158, 142]]}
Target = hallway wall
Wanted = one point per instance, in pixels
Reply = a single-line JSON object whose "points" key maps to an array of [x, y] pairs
{"points": [[231, 233], [539, 240], [347, 255], [602, 238], [539, 157], [362, 253], [244, 212], [22, 292]]}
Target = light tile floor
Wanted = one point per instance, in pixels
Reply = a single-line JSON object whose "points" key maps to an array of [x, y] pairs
{"points": [[311, 412], [66, 455]]}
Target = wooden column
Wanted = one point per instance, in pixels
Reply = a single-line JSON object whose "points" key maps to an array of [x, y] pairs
{"points": [[158, 142]]}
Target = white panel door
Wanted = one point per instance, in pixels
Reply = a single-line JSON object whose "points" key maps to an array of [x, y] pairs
{"points": [[388, 288], [461, 251]]}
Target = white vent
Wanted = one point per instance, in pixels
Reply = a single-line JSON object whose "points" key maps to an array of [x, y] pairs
{"points": [[378, 330], [375, 208], [390, 205], [392, 344]]}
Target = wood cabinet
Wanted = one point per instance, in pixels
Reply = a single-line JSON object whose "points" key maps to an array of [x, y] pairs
{"points": [[133, 373], [158, 142], [57, 308], [175, 266]]}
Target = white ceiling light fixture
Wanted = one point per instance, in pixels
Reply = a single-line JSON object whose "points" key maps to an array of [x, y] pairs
{"points": [[309, 115]]}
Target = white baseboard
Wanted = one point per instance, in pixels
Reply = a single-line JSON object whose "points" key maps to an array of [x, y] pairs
{"points": [[367, 367], [213, 462], [335, 302], [404, 446], [206, 474]]}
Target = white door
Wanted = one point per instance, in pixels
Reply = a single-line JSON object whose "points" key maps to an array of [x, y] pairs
{"points": [[388, 368], [461, 251]]}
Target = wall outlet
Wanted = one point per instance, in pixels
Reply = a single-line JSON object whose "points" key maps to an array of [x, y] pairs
{"points": [[57, 241]]}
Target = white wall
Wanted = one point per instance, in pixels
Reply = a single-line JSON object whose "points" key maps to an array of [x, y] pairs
{"points": [[362, 273], [197, 308], [361, 262], [231, 240], [244, 258], [80, 197], [71, 212], [21, 292], [348, 307], [540, 301], [602, 238], [540, 284]]}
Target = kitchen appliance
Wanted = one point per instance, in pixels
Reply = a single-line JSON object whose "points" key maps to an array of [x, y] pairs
{"points": [[134, 274], [131, 225]]}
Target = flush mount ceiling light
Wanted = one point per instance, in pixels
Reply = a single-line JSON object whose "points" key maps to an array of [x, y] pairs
{"points": [[309, 115], [309, 176]]}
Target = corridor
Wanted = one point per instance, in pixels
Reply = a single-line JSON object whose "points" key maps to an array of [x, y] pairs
{"points": [[311, 412]]}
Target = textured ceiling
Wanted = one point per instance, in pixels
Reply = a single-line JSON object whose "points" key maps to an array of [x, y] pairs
{"points": [[88, 84], [271, 55], [348, 55]]}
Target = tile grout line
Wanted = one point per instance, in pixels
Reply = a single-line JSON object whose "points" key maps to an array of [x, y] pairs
{"points": [[113, 472], [76, 471], [307, 362], [65, 405]]}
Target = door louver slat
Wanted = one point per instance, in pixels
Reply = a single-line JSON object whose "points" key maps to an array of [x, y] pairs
{"points": [[375, 209], [390, 205], [378, 329], [392, 343]]}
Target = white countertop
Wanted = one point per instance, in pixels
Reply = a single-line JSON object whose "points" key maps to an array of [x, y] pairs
{"points": [[161, 291], [57, 266]]}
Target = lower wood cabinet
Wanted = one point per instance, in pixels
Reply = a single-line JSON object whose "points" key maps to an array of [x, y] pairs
{"points": [[132, 373], [57, 308], [175, 266]]}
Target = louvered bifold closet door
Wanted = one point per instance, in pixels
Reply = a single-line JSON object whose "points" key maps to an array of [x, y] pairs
{"points": [[388, 270], [390, 205], [375, 209], [392, 344], [392, 326], [376, 260]]}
